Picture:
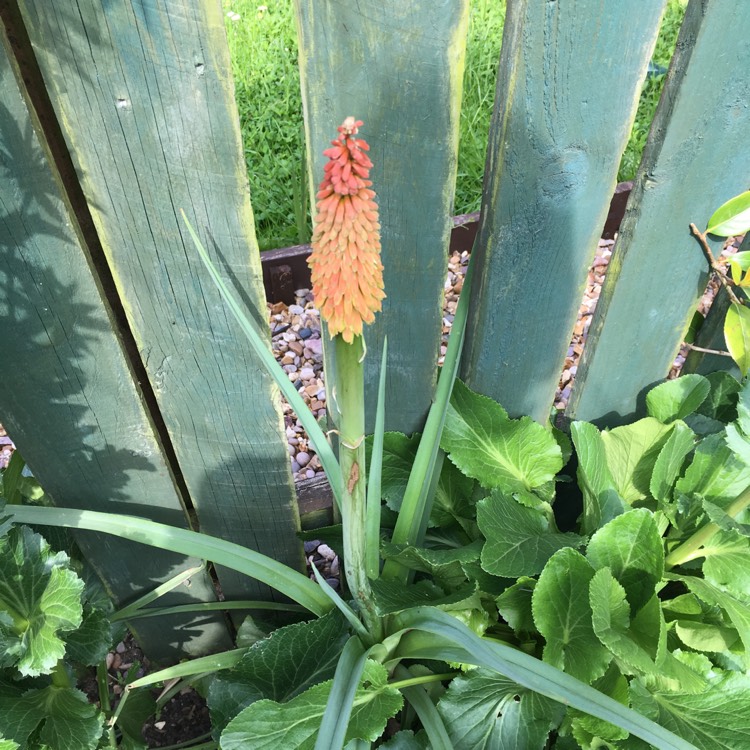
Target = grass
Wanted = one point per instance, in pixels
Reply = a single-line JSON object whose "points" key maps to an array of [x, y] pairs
{"points": [[263, 45]]}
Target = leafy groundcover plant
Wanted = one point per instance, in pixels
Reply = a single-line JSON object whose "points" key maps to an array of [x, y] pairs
{"points": [[475, 618]]}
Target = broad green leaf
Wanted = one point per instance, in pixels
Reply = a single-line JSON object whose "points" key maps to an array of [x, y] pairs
{"points": [[721, 403], [562, 614], [613, 684], [631, 453], [509, 454], [266, 724], [514, 604], [392, 596], [611, 620], [140, 705], [601, 501], [702, 636], [737, 335], [669, 463], [40, 599], [738, 442], [715, 474], [716, 719], [8, 744], [727, 562], [452, 502], [736, 607], [398, 456], [436, 635], [444, 565], [520, 540], [405, 740], [724, 520], [631, 547], [743, 407], [90, 643], [677, 398], [484, 711], [279, 667], [61, 718], [731, 218]]}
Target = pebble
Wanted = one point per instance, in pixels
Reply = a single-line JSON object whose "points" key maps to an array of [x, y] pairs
{"points": [[311, 546], [333, 583], [305, 333], [325, 551], [307, 373], [302, 458]]}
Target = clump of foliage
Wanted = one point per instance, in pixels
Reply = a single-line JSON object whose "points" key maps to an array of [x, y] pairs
{"points": [[475, 617]]}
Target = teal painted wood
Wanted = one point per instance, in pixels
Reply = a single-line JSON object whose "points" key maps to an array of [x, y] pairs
{"points": [[68, 397], [144, 95], [567, 92], [695, 159], [398, 67]]}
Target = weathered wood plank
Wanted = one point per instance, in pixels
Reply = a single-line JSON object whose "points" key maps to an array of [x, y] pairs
{"points": [[695, 159], [398, 67], [567, 93], [68, 396], [144, 94]]}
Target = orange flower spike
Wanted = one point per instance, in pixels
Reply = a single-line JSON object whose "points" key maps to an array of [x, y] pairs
{"points": [[347, 275]]}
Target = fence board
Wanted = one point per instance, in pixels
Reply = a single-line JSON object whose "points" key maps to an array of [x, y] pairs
{"points": [[398, 67], [68, 397], [567, 93], [695, 159], [143, 92]]}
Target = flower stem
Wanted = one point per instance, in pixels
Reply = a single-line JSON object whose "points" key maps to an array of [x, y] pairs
{"points": [[688, 549], [350, 403]]}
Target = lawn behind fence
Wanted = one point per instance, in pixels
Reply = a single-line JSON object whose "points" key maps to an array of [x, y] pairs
{"points": [[263, 44]]}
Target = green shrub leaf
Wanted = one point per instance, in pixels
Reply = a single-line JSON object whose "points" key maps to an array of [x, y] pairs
{"points": [[715, 719], [601, 501], [268, 725], [727, 562], [611, 620], [509, 454], [631, 547], [715, 474], [514, 604], [483, 710], [40, 598], [631, 453], [721, 403], [677, 398], [736, 607], [520, 540], [670, 462], [737, 335], [562, 614], [279, 667], [731, 218], [61, 718]]}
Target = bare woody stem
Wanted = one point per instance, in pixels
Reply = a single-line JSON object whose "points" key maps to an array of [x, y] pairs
{"points": [[712, 262], [350, 402]]}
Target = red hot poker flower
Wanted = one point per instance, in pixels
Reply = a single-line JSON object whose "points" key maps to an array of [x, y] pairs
{"points": [[347, 275]]}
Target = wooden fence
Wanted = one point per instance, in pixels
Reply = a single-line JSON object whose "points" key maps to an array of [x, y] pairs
{"points": [[125, 384]]}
